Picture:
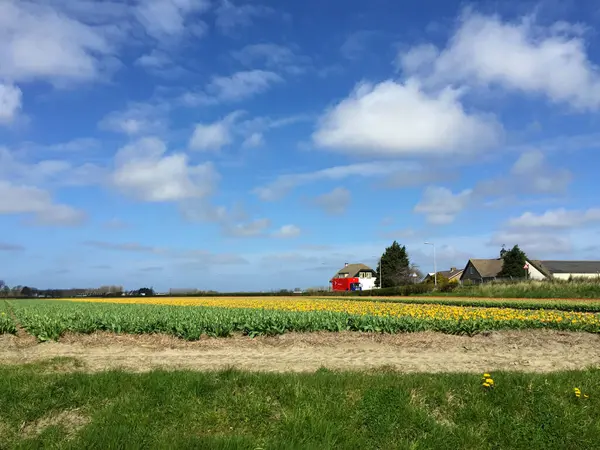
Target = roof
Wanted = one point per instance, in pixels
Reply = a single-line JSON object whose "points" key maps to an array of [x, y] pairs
{"points": [[353, 269], [447, 273], [487, 268], [572, 266]]}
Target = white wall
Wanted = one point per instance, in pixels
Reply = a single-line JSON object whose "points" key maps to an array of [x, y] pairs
{"points": [[535, 274], [566, 276], [367, 283]]}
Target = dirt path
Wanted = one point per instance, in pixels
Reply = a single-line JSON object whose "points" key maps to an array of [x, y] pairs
{"points": [[532, 350]]}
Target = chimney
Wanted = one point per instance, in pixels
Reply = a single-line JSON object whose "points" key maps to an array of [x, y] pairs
{"points": [[345, 264], [452, 269]]}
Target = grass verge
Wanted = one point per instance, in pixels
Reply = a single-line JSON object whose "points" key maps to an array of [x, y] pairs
{"points": [[324, 410]]}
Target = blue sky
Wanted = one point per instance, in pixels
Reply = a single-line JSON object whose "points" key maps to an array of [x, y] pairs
{"points": [[260, 145]]}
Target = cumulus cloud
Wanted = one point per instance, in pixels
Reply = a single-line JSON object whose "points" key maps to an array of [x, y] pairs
{"points": [[400, 118], [10, 102], [440, 206], [516, 55], [334, 203], [136, 119], [171, 18], [38, 42], [557, 218], [23, 199], [144, 171], [213, 136]]}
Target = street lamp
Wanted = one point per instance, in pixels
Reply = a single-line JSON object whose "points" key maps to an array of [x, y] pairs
{"points": [[434, 264]]}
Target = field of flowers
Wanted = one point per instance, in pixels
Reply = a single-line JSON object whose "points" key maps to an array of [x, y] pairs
{"points": [[190, 318]]}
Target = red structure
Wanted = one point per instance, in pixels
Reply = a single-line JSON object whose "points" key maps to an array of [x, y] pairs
{"points": [[345, 284]]}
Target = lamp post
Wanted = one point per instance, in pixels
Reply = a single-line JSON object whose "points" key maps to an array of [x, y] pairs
{"points": [[434, 264]]}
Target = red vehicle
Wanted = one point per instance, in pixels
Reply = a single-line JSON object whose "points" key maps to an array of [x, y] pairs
{"points": [[345, 284]]}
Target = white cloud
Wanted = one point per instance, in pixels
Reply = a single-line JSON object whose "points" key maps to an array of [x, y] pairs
{"points": [[170, 18], [242, 85], [143, 171], [284, 183], [254, 140], [22, 199], [156, 59], [287, 231], [48, 172], [253, 228], [38, 42], [520, 55], [537, 245], [441, 206], [213, 136], [557, 218], [530, 174], [272, 56], [10, 102], [136, 119], [335, 202], [399, 119], [231, 17]]}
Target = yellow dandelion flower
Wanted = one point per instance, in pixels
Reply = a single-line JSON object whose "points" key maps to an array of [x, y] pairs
{"points": [[486, 384]]}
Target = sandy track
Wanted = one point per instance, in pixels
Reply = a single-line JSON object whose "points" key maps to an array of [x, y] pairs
{"points": [[532, 350]]}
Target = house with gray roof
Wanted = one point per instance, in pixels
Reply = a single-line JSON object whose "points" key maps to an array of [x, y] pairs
{"points": [[364, 273], [452, 275], [484, 270]]}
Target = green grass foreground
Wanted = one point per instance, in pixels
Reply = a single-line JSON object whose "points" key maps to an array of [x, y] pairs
{"points": [[40, 408], [531, 289], [49, 320]]}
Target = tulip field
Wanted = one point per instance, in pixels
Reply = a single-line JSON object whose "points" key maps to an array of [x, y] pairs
{"points": [[191, 318]]}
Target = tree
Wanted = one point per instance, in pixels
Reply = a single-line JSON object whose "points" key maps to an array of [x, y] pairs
{"points": [[395, 265], [27, 291], [513, 263]]}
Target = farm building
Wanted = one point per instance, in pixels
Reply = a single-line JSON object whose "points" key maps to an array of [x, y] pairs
{"points": [[366, 276], [484, 270], [453, 274]]}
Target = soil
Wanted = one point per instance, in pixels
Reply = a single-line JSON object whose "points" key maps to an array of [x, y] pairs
{"points": [[527, 350]]}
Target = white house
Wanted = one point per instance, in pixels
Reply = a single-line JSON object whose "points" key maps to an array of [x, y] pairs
{"points": [[365, 275]]}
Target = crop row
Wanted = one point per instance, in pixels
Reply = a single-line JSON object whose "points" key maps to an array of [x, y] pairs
{"points": [[7, 325], [592, 306], [49, 320]]}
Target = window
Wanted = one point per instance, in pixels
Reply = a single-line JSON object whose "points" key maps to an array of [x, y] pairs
{"points": [[365, 275], [471, 270]]}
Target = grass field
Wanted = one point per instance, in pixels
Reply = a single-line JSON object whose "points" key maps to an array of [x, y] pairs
{"points": [[43, 408], [190, 318], [531, 289]]}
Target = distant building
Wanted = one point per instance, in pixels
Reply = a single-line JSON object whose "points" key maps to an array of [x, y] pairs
{"points": [[366, 276], [484, 270], [453, 274]]}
